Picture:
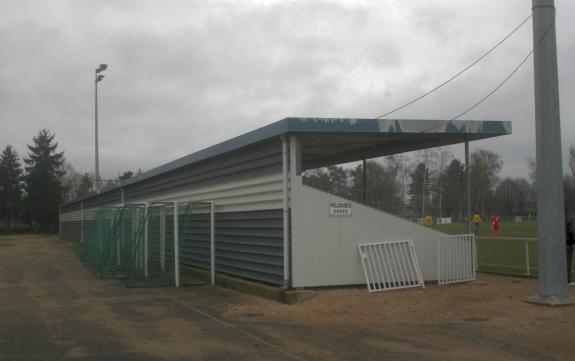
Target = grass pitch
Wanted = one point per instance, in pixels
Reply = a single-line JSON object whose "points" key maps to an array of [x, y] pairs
{"points": [[503, 253]]}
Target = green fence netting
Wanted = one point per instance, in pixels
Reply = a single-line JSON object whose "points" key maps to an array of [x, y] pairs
{"points": [[134, 243]]}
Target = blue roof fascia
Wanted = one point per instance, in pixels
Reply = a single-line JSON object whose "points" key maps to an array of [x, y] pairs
{"points": [[408, 126], [326, 125], [330, 125]]}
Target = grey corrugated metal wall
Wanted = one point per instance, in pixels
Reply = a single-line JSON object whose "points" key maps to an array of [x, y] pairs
{"points": [[71, 230], [247, 188], [248, 244]]}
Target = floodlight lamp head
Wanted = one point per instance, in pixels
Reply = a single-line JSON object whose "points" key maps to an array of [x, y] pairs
{"points": [[101, 68], [99, 78]]}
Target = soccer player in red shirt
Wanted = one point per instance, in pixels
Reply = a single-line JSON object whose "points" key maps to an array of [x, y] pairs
{"points": [[495, 223]]}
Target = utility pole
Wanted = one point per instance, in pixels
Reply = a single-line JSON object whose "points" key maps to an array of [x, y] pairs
{"points": [[553, 289]]}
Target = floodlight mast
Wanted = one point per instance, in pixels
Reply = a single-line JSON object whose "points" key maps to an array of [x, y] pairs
{"points": [[97, 78]]}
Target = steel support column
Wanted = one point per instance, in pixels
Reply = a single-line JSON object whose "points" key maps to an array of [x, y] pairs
{"points": [[467, 188], [364, 181], [212, 244], [176, 246], [549, 173]]}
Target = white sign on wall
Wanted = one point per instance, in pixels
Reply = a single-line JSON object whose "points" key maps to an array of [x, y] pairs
{"points": [[339, 208]]}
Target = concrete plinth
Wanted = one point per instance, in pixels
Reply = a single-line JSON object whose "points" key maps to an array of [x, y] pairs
{"points": [[551, 301]]}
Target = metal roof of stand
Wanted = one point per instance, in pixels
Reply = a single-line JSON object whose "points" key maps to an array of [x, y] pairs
{"points": [[328, 141], [335, 141]]}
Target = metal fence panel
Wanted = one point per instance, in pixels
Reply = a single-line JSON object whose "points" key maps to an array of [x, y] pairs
{"points": [[390, 265], [138, 243], [457, 259]]}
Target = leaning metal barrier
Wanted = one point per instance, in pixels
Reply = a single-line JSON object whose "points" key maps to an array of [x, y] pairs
{"points": [[390, 265]]}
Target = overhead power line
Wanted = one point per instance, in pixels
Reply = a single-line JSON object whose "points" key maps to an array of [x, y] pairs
{"points": [[450, 79], [497, 87], [485, 97], [460, 72], [500, 84]]}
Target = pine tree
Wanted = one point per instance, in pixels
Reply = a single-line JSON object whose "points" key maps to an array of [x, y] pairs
{"points": [[44, 191], [10, 186]]}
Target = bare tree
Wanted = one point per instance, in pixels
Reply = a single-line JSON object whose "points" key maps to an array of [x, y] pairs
{"points": [[513, 197], [70, 181], [85, 186], [484, 169], [403, 176]]}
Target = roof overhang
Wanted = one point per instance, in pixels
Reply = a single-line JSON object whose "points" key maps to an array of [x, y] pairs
{"points": [[328, 141], [335, 141]]}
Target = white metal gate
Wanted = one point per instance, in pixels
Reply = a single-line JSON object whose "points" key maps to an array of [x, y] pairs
{"points": [[390, 265], [457, 258]]}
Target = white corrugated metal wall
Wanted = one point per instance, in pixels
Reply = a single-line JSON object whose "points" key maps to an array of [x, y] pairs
{"points": [[258, 191], [324, 247], [261, 190]]}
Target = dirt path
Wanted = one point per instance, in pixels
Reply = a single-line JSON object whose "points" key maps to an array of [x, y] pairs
{"points": [[53, 309]]}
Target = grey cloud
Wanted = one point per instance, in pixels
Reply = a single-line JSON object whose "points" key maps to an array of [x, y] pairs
{"points": [[185, 75]]}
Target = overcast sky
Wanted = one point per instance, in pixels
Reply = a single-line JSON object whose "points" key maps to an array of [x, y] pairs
{"points": [[184, 75]]}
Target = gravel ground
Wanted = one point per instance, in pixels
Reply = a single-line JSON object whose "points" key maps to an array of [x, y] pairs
{"points": [[53, 309], [486, 319]]}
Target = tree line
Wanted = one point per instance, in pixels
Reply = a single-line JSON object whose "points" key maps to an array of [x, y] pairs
{"points": [[433, 182], [32, 188], [30, 193]]}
